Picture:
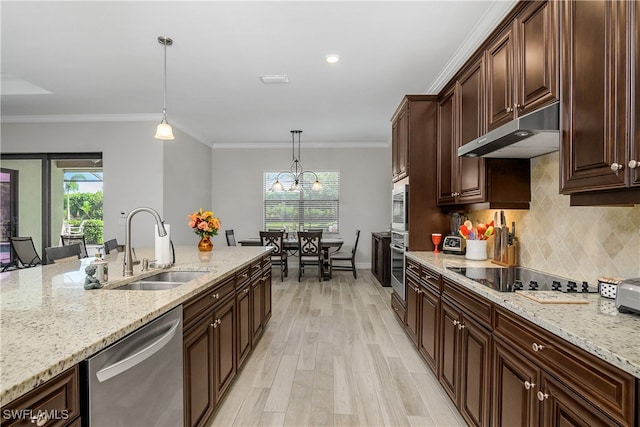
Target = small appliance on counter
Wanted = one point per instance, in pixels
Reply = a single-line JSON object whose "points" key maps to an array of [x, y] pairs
{"points": [[628, 296], [453, 243]]}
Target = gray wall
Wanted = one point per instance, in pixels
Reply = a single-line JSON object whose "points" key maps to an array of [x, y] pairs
{"points": [[365, 191], [138, 170]]}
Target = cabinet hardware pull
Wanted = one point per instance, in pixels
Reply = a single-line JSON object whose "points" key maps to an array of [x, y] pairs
{"points": [[40, 419], [460, 325], [455, 323], [616, 167], [215, 296], [518, 106], [633, 164], [213, 325], [509, 109], [246, 291], [542, 396], [529, 385], [537, 347]]}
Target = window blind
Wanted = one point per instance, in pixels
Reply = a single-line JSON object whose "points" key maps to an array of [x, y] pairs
{"points": [[304, 209]]}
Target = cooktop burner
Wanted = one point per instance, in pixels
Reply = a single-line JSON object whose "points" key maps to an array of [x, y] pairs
{"points": [[520, 278]]}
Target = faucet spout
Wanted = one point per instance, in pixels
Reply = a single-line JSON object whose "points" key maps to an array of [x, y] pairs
{"points": [[128, 256]]}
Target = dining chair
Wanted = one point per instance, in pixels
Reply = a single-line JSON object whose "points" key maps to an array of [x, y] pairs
{"points": [[342, 257], [25, 251], [73, 240], [310, 251], [279, 254], [231, 238], [59, 252], [112, 244]]}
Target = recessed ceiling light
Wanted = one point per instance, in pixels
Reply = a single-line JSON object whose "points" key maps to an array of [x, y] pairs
{"points": [[332, 59], [281, 78]]}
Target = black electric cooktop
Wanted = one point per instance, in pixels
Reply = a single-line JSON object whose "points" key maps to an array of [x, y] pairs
{"points": [[520, 278]]}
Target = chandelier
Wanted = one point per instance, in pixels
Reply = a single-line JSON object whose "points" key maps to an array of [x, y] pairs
{"points": [[296, 171], [164, 130]]}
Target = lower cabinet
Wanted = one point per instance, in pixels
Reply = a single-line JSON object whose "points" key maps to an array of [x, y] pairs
{"points": [[54, 403], [381, 257], [502, 370], [221, 327], [465, 364]]}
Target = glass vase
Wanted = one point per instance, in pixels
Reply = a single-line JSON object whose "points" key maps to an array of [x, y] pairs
{"points": [[205, 244]]}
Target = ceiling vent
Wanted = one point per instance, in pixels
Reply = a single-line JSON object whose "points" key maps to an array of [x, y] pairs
{"points": [[275, 79]]}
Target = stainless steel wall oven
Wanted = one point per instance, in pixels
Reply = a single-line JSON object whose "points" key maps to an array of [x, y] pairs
{"points": [[399, 244]]}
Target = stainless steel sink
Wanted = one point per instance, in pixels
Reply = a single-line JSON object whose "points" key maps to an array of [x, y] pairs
{"points": [[162, 281]]}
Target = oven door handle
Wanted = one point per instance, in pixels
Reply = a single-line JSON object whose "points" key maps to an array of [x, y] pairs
{"points": [[396, 248]]}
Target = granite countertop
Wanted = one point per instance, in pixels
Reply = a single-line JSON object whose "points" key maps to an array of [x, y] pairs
{"points": [[596, 327], [49, 322]]}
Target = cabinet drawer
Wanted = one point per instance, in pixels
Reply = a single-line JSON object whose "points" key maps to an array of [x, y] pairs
{"points": [[243, 276], [432, 279], [256, 268], [472, 303], [59, 398], [413, 268], [603, 385], [200, 303], [266, 263], [398, 308]]}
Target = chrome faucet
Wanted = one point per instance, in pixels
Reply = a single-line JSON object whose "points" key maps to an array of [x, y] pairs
{"points": [[128, 258]]}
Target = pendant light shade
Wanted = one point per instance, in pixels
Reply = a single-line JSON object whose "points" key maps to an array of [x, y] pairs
{"points": [[164, 130]]}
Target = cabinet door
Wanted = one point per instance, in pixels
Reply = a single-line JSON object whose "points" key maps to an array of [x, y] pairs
{"points": [[394, 150], [266, 297], [429, 327], [500, 99], [562, 407], [224, 347], [257, 296], [413, 314], [449, 368], [515, 383], [471, 170], [447, 156], [475, 372], [199, 396], [593, 99], [536, 56], [243, 304], [403, 143]]}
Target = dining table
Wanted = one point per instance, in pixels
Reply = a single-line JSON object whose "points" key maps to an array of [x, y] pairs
{"points": [[291, 246]]}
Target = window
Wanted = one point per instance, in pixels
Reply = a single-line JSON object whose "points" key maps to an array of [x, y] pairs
{"points": [[304, 209]]}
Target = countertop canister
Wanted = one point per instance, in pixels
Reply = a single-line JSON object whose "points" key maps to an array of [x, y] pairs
{"points": [[476, 250]]}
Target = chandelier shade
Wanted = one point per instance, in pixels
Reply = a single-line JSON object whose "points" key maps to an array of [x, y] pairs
{"points": [[164, 131], [295, 172]]}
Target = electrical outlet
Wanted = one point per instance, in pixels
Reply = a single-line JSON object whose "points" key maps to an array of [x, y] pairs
{"points": [[122, 219]]}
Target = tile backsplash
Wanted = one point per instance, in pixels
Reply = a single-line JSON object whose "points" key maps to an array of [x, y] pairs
{"points": [[582, 243]]}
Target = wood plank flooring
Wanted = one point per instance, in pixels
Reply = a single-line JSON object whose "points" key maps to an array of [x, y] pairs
{"points": [[333, 354]]}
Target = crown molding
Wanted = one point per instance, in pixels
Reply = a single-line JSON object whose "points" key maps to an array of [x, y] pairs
{"points": [[486, 24], [258, 145], [83, 118]]}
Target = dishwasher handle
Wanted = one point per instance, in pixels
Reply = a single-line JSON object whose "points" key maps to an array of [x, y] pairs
{"points": [[129, 362]]}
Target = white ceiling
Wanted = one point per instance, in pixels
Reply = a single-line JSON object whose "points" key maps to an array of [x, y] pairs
{"points": [[95, 61]]}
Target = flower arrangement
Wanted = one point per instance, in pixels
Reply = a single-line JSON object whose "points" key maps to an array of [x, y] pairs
{"points": [[204, 223]]}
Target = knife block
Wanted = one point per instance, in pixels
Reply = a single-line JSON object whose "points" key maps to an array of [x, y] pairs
{"points": [[508, 257]]}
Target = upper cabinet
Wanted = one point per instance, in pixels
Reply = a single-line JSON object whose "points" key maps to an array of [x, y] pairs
{"points": [[400, 142], [521, 64], [600, 148], [474, 182]]}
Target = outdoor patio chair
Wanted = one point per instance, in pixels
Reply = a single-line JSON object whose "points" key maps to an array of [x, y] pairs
{"points": [[25, 251]]}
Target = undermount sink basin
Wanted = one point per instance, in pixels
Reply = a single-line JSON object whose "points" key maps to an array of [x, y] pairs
{"points": [[162, 281]]}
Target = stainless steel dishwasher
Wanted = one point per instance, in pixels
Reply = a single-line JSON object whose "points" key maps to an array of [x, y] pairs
{"points": [[138, 381]]}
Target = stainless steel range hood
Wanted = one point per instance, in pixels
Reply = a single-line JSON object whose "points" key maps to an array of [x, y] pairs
{"points": [[531, 135]]}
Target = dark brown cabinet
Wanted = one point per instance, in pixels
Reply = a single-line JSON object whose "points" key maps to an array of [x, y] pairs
{"points": [[472, 182], [416, 118], [600, 144], [381, 257], [522, 71], [400, 143], [221, 327], [465, 363], [54, 403]]}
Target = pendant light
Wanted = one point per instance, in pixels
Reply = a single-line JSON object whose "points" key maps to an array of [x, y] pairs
{"points": [[164, 130], [296, 170]]}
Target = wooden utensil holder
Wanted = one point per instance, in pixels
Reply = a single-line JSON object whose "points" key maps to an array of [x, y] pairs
{"points": [[510, 256]]}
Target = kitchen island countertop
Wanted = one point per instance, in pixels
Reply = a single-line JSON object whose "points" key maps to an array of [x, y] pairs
{"points": [[596, 327], [49, 322]]}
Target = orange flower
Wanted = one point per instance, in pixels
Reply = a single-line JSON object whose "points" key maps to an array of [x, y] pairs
{"points": [[204, 223]]}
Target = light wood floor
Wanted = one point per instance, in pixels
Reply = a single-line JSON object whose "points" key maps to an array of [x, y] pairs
{"points": [[334, 354]]}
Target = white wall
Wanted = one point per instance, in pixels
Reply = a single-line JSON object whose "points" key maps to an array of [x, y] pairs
{"points": [[134, 169], [365, 190]]}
